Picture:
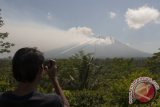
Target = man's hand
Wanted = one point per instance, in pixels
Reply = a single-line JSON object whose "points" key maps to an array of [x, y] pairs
{"points": [[52, 69], [52, 73]]}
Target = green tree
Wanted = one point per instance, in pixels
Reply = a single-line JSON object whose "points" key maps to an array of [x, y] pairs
{"points": [[4, 45], [83, 68], [84, 71], [154, 62], [75, 72]]}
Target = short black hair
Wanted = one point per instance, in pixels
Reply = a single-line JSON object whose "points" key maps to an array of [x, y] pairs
{"points": [[26, 64]]}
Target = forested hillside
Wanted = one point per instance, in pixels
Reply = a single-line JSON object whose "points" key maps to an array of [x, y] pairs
{"points": [[89, 82]]}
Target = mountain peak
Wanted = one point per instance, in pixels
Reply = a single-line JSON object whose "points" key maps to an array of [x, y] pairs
{"points": [[99, 47]]}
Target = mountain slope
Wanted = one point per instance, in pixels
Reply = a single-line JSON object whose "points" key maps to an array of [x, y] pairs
{"points": [[100, 48]]}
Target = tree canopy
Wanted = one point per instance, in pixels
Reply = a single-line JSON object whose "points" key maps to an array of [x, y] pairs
{"points": [[4, 45]]}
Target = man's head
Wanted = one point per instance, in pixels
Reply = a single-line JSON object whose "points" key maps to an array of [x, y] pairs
{"points": [[26, 64]]}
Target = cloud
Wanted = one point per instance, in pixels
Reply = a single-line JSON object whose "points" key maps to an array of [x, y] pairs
{"points": [[112, 15], [81, 31], [49, 16], [31, 34], [138, 18]]}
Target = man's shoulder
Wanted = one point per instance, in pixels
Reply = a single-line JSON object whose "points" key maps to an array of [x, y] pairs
{"points": [[33, 95], [48, 99], [50, 96], [0, 95], [3, 95], [35, 98]]}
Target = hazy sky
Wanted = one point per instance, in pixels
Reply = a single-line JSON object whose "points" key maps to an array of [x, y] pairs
{"points": [[46, 22]]}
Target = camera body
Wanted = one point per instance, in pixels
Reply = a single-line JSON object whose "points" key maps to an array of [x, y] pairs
{"points": [[47, 63]]}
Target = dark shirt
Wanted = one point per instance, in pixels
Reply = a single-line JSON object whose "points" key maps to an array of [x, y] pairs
{"points": [[34, 99]]}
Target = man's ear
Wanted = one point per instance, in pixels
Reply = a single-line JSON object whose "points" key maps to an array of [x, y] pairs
{"points": [[41, 69]]}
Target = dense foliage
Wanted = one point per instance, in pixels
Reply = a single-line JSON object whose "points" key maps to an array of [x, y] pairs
{"points": [[89, 82]]}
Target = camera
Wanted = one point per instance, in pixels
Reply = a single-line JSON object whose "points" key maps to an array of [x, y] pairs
{"points": [[47, 63]]}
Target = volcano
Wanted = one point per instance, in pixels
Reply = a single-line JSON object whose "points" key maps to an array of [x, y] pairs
{"points": [[100, 48]]}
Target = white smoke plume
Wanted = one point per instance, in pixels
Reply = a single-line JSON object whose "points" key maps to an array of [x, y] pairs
{"points": [[81, 31], [47, 38]]}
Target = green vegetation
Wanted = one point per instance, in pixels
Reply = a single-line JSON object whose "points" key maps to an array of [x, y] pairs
{"points": [[89, 82]]}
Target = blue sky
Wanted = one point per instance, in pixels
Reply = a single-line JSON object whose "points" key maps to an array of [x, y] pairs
{"points": [[135, 23]]}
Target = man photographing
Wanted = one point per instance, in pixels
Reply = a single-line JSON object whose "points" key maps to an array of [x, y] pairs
{"points": [[28, 67]]}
